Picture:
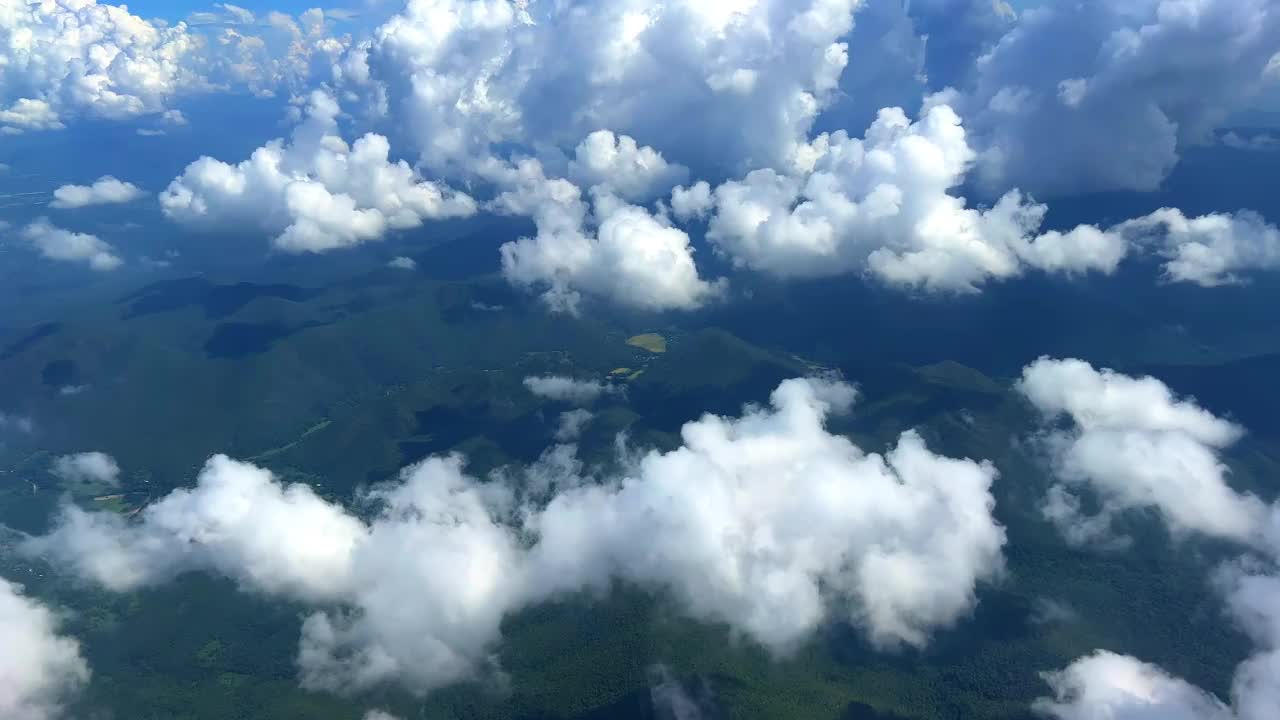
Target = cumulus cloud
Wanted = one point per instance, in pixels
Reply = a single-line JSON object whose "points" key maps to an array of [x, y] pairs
{"points": [[39, 668], [56, 243], [1139, 446], [1135, 445], [770, 523], [104, 191], [570, 390], [87, 57], [767, 522], [633, 172], [1209, 250], [1118, 687], [882, 204], [314, 194], [608, 248], [90, 467], [1090, 96], [71, 57], [403, 263], [1108, 686], [733, 85]]}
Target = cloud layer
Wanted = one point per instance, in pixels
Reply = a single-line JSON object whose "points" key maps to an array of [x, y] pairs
{"points": [[766, 522]]}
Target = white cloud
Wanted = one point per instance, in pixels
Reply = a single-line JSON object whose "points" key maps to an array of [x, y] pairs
{"points": [[96, 467], [1209, 250], [104, 191], [314, 194], [692, 202], [572, 423], [66, 58], [401, 262], [567, 389], [28, 114], [85, 57], [1109, 94], [726, 85], [56, 243], [767, 522], [237, 13], [237, 521], [1136, 446], [633, 257], [773, 525], [882, 204], [39, 668], [633, 172], [1107, 686]]}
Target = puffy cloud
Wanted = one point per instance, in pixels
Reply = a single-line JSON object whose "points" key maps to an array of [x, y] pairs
{"points": [[1089, 96], [402, 263], [633, 172], [56, 243], [767, 522], [314, 194], [1107, 686], [39, 668], [691, 202], [882, 204], [464, 77], [29, 114], [237, 521], [1209, 250], [1153, 450], [567, 389], [633, 257], [105, 190], [1136, 446], [68, 57], [95, 467], [439, 547], [81, 56], [772, 524]]}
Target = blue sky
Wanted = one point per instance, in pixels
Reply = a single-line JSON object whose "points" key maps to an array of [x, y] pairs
{"points": [[179, 9]]}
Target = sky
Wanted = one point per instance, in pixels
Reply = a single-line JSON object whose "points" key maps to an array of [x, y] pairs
{"points": [[660, 156]]}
